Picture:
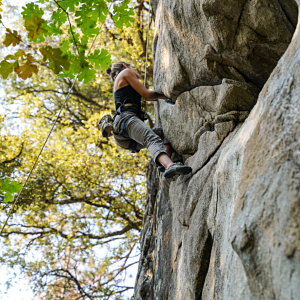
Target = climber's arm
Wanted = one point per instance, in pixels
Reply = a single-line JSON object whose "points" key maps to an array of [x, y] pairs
{"points": [[155, 96], [131, 77]]}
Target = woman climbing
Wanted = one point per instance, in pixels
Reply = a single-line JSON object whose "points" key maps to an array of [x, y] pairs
{"points": [[130, 132]]}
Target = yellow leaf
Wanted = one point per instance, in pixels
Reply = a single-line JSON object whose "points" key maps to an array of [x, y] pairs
{"points": [[16, 56], [57, 61], [11, 38], [6, 68], [28, 69], [34, 26]]}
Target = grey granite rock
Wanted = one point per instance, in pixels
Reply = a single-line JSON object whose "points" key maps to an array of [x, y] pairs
{"points": [[200, 42], [231, 229]]}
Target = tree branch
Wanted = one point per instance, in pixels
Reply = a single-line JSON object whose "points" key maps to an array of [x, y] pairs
{"points": [[12, 159]]}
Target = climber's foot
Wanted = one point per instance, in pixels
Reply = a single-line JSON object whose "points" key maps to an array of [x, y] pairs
{"points": [[106, 125], [177, 169], [162, 169]]}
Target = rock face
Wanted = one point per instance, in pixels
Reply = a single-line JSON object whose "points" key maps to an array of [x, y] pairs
{"points": [[200, 42], [231, 229]]}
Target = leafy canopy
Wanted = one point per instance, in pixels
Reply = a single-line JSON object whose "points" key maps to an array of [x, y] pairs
{"points": [[75, 22], [88, 15], [82, 210]]}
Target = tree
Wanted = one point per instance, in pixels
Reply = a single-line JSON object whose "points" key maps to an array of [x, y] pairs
{"points": [[81, 213], [8, 156]]}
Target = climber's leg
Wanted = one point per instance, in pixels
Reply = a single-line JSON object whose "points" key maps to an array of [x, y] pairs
{"points": [[164, 160], [169, 149], [160, 133], [141, 133], [120, 140]]}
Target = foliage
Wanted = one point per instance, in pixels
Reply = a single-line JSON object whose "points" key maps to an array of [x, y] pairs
{"points": [[81, 212], [76, 22], [8, 188], [76, 227], [10, 150]]}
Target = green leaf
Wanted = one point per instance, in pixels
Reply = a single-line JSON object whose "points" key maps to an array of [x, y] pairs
{"points": [[87, 75], [11, 38], [9, 188], [57, 61], [74, 69], [52, 29], [59, 17], [122, 15], [69, 4], [86, 23], [69, 74], [99, 11], [102, 59], [30, 9], [80, 66], [6, 68], [34, 26], [65, 46]]}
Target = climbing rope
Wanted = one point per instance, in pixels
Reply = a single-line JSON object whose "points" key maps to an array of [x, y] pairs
{"points": [[147, 42], [144, 103]]}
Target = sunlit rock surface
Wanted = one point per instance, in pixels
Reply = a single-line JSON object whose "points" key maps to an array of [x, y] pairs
{"points": [[231, 229]]}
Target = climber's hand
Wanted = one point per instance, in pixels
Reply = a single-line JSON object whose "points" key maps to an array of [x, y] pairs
{"points": [[162, 96]]}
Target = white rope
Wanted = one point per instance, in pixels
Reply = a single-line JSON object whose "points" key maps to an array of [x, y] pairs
{"points": [[147, 43]]}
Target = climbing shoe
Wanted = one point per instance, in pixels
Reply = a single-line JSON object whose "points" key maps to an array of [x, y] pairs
{"points": [[162, 169], [106, 125], [177, 169]]}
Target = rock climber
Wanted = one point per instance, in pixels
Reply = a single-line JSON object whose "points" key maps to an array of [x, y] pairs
{"points": [[129, 130]]}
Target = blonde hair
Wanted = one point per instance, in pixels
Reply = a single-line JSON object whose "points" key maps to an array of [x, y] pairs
{"points": [[116, 68]]}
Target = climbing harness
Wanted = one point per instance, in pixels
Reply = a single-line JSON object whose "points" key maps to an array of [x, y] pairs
{"points": [[106, 122], [132, 144], [132, 107]]}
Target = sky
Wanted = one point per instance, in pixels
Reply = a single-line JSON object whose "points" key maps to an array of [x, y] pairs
{"points": [[20, 289]]}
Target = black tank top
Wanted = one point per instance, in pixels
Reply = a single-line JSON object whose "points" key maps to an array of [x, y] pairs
{"points": [[126, 95]]}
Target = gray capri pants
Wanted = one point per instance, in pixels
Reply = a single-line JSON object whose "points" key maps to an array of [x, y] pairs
{"points": [[141, 133]]}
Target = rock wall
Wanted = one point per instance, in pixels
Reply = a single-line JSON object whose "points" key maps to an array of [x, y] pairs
{"points": [[231, 229]]}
